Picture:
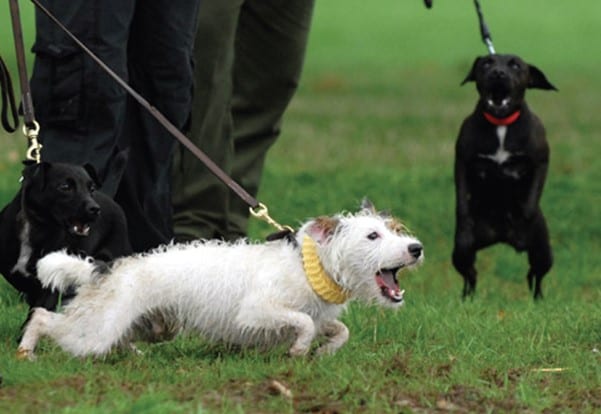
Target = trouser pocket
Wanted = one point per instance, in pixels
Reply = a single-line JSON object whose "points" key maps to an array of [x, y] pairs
{"points": [[57, 86]]}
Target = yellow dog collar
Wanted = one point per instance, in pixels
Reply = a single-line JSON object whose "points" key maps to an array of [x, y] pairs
{"points": [[325, 287]]}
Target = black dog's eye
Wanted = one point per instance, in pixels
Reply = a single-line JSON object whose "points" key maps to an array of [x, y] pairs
{"points": [[65, 187], [373, 236], [91, 188], [514, 64], [487, 63]]}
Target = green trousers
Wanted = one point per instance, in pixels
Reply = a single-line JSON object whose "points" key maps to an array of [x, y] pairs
{"points": [[248, 58]]}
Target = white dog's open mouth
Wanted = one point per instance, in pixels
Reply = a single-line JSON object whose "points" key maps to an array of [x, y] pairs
{"points": [[388, 283]]}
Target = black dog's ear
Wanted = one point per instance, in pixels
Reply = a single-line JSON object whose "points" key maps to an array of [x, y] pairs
{"points": [[37, 171], [92, 173], [538, 80], [471, 76]]}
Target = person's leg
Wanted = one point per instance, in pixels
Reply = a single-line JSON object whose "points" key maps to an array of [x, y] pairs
{"points": [[81, 109], [199, 198], [270, 50], [160, 69]]}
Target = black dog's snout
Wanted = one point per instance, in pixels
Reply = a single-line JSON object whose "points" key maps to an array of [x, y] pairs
{"points": [[93, 209], [415, 250], [498, 73]]}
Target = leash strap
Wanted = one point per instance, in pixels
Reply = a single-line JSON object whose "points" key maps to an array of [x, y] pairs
{"points": [[30, 127], [28, 113], [484, 32], [256, 208], [8, 100]]}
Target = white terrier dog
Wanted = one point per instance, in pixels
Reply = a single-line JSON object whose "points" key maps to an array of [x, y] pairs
{"points": [[239, 293]]}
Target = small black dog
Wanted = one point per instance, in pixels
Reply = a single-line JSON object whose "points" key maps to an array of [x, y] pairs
{"points": [[56, 208], [501, 160]]}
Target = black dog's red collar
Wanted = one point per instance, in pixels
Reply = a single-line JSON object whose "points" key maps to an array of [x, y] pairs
{"points": [[502, 121]]}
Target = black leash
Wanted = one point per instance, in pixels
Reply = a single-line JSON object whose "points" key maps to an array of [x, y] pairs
{"points": [[8, 100], [484, 32], [257, 209]]}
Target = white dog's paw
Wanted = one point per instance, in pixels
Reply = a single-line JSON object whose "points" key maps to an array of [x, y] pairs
{"points": [[24, 354], [337, 334], [133, 348], [326, 349], [297, 351]]}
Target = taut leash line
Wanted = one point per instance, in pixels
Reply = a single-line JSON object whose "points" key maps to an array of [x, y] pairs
{"points": [[256, 208]]}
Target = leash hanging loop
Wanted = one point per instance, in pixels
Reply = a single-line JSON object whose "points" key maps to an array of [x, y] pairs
{"points": [[34, 152], [262, 213]]}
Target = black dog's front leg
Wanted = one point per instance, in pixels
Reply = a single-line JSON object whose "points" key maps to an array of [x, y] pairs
{"points": [[540, 255], [536, 190], [539, 154], [464, 251]]}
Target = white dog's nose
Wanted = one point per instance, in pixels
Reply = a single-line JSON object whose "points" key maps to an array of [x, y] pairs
{"points": [[415, 250]]}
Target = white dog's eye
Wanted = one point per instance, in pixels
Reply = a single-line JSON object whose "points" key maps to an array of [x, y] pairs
{"points": [[373, 236]]}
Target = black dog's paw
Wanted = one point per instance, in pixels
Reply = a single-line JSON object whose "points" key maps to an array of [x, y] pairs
{"points": [[101, 267], [77, 253]]}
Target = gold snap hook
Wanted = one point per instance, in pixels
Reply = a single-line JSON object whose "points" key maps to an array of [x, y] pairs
{"points": [[34, 152], [262, 213]]}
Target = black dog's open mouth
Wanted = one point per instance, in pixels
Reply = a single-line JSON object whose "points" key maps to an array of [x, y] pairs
{"points": [[388, 283], [78, 228], [498, 94]]}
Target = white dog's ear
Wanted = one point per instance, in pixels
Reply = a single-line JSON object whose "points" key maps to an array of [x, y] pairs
{"points": [[366, 204], [322, 228]]}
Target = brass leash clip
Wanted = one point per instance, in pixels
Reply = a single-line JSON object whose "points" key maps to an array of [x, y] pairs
{"points": [[34, 152], [261, 212]]}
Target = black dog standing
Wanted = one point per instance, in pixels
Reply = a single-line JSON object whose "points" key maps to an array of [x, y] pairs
{"points": [[57, 208], [501, 162]]}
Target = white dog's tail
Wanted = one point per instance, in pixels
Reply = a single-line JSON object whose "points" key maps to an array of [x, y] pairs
{"points": [[60, 271]]}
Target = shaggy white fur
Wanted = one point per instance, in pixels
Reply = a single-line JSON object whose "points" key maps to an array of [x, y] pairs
{"points": [[239, 293]]}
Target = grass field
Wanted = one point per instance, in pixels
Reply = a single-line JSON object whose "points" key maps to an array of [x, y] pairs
{"points": [[377, 115]]}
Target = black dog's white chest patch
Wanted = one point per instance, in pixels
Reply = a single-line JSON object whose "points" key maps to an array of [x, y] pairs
{"points": [[24, 252], [502, 156]]}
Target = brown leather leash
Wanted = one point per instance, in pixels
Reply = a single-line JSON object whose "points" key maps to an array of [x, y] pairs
{"points": [[30, 127], [257, 209]]}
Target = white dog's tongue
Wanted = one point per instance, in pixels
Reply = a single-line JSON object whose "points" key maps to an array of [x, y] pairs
{"points": [[385, 280]]}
